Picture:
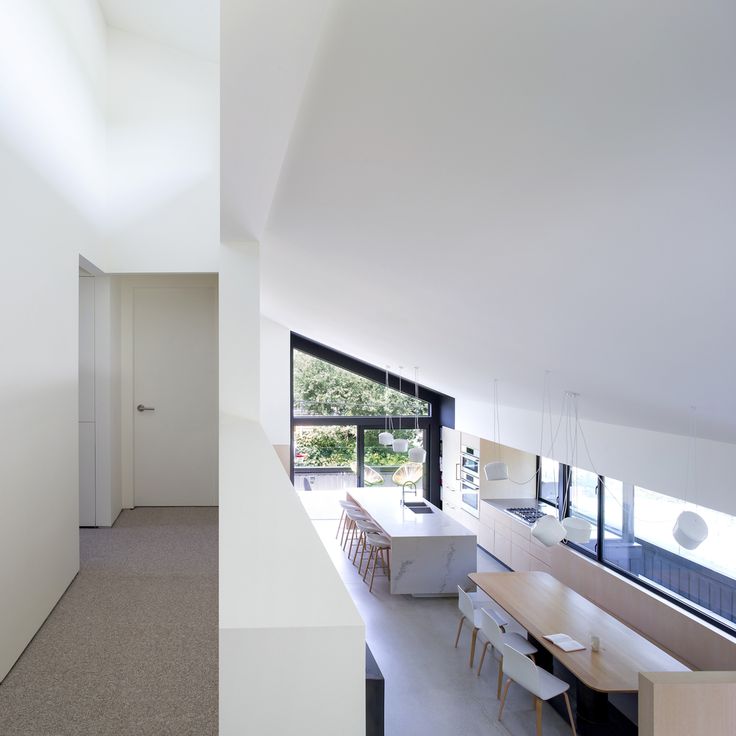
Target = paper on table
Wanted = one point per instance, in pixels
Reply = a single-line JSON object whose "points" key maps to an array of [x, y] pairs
{"points": [[565, 642]]}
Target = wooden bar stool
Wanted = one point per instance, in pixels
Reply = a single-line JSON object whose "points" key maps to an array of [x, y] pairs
{"points": [[377, 544], [343, 517], [352, 528], [364, 528]]}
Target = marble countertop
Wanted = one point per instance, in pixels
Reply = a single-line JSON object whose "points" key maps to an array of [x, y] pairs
{"points": [[384, 506]]}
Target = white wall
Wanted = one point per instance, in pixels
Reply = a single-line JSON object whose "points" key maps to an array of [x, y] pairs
{"points": [[275, 381], [311, 652], [654, 460], [49, 198], [163, 151]]}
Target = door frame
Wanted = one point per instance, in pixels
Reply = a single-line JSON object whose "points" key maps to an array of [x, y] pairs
{"points": [[128, 286]]}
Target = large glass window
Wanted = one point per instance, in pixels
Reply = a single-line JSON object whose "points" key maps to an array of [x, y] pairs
{"points": [[325, 457], [322, 389], [704, 577], [337, 416], [383, 466], [549, 480], [583, 502], [636, 525]]}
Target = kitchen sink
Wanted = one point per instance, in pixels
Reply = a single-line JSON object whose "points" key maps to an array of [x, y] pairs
{"points": [[418, 507]]}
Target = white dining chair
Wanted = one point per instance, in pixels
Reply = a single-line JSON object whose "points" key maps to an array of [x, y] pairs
{"points": [[496, 637], [541, 684], [472, 614]]}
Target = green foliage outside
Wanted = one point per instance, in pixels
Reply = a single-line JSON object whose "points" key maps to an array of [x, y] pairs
{"points": [[335, 446], [323, 389]]}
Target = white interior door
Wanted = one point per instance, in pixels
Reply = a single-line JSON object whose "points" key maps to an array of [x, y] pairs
{"points": [[175, 396]]}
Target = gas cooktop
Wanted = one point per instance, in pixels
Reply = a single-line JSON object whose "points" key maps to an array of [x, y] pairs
{"points": [[528, 513]]}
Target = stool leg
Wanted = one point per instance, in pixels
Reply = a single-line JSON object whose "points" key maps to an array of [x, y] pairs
{"points": [[361, 539], [370, 557], [362, 555], [373, 572]]}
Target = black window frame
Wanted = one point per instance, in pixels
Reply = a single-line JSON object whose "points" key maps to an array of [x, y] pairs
{"points": [[598, 555], [441, 407]]}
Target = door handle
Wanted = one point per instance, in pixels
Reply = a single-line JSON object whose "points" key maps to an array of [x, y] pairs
{"points": [[140, 407]]}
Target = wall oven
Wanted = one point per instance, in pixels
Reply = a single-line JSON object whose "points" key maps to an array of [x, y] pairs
{"points": [[470, 462], [470, 481]]}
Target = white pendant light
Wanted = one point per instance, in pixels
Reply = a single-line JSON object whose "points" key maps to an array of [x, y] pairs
{"points": [[417, 454], [577, 530], [548, 531], [690, 529], [400, 445], [497, 469], [386, 438]]}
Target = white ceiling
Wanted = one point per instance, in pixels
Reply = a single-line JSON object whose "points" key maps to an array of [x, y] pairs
{"points": [[192, 26], [489, 189], [493, 189]]}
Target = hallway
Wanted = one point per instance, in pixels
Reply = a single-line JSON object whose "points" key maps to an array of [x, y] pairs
{"points": [[131, 647]]}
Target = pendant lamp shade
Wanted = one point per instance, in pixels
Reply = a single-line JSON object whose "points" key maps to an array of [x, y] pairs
{"points": [[690, 530], [400, 445], [577, 530], [417, 455], [496, 471], [385, 438], [548, 531]]}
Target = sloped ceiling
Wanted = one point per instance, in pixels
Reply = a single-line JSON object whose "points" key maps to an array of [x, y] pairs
{"points": [[495, 189], [192, 26]]}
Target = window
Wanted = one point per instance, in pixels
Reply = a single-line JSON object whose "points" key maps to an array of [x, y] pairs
{"points": [[583, 502], [644, 548], [323, 389], [549, 481], [338, 409]]}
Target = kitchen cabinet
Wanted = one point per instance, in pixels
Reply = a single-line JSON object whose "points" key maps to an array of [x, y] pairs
{"points": [[451, 443], [470, 440]]}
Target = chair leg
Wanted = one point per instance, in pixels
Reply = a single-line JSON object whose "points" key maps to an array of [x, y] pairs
{"points": [[503, 698], [472, 646], [482, 657], [339, 524], [538, 706], [569, 713], [459, 629], [500, 678]]}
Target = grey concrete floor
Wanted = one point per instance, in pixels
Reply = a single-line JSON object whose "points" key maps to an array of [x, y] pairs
{"points": [[430, 690], [131, 647]]}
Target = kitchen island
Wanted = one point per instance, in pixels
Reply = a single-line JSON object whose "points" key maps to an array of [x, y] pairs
{"points": [[431, 554]]}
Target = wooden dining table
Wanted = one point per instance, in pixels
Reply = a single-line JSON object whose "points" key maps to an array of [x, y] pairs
{"points": [[543, 605]]}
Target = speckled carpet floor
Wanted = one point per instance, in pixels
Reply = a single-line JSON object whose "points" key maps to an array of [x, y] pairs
{"points": [[131, 648]]}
